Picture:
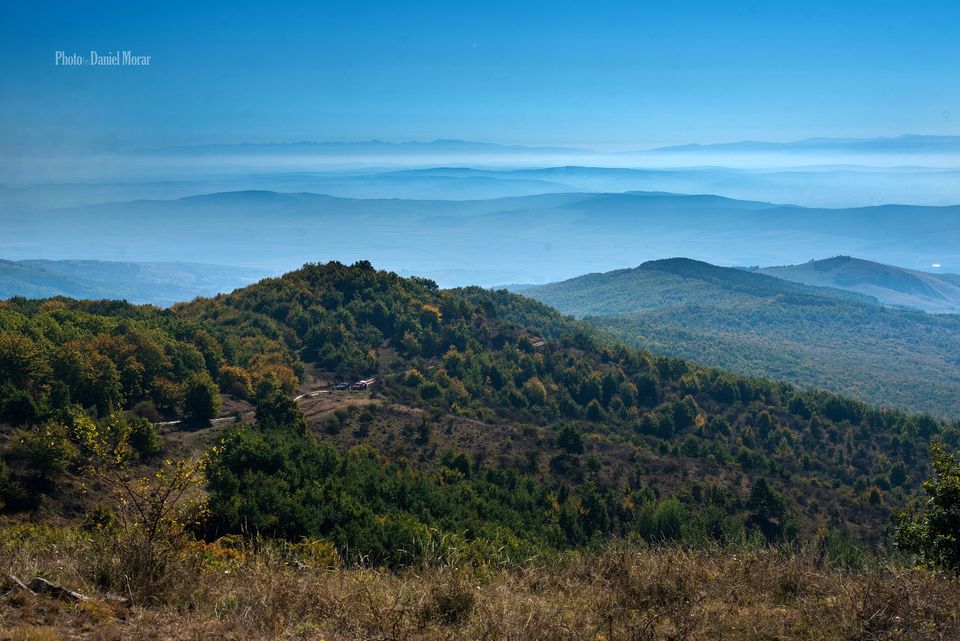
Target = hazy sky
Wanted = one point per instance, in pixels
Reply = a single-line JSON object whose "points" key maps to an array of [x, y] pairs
{"points": [[603, 74]]}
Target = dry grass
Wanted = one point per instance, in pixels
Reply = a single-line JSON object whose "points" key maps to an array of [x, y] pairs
{"points": [[619, 594]]}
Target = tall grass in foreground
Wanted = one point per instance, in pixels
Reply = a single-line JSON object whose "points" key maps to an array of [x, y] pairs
{"points": [[270, 590]]}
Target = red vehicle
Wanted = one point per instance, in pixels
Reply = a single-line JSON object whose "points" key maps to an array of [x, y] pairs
{"points": [[362, 384]]}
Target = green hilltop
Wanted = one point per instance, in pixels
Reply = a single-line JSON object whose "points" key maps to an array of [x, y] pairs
{"points": [[758, 325]]}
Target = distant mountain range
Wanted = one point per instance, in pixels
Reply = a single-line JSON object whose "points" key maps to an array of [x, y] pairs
{"points": [[531, 239], [839, 185], [907, 143], [760, 325], [444, 146], [895, 286], [830, 186], [903, 143], [154, 283]]}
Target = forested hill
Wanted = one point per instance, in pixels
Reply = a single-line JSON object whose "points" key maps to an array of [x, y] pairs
{"points": [[496, 420], [758, 325], [674, 280], [895, 286]]}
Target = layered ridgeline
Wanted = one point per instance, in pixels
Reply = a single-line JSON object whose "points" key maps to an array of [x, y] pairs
{"points": [[494, 421], [819, 173], [758, 325], [894, 286], [493, 241]]}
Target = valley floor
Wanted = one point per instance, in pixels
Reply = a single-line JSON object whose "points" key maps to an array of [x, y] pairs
{"points": [[619, 594]]}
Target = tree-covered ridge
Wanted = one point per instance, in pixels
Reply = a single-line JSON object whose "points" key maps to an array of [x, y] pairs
{"points": [[895, 286], [763, 326], [670, 281], [613, 430], [334, 315]]}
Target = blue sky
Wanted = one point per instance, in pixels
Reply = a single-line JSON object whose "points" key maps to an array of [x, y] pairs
{"points": [[597, 74]]}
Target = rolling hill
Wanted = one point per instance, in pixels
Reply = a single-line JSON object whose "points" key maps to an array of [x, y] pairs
{"points": [[895, 286], [759, 325]]}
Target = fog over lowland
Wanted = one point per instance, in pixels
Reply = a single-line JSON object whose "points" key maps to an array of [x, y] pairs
{"points": [[922, 170], [470, 213]]}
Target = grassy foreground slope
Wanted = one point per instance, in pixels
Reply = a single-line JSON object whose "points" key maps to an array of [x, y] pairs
{"points": [[620, 593], [762, 326]]}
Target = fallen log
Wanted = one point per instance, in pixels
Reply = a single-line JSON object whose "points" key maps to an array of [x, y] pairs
{"points": [[39, 584]]}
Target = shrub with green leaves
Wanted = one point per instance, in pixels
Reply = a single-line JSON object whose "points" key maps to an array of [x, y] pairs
{"points": [[933, 534], [201, 397]]}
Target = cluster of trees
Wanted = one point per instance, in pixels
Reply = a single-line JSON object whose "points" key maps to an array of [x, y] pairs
{"points": [[280, 482], [106, 356], [38, 457], [118, 365], [679, 409], [332, 315], [933, 532]]}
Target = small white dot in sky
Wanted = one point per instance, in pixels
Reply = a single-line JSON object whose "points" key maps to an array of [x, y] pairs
{"points": [[935, 265]]}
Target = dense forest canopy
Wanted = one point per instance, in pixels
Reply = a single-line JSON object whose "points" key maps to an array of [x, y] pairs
{"points": [[609, 440]]}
